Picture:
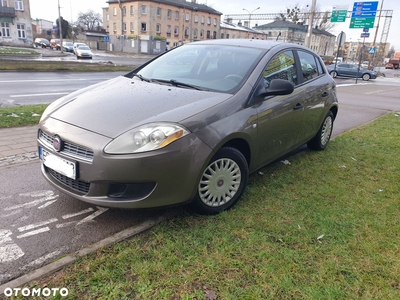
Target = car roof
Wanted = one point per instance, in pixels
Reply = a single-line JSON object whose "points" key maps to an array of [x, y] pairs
{"points": [[252, 43]]}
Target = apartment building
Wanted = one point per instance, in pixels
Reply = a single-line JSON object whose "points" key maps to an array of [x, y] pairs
{"points": [[175, 21], [15, 23]]}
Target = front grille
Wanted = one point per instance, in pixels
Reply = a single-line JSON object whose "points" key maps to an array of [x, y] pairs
{"points": [[69, 148], [79, 186]]}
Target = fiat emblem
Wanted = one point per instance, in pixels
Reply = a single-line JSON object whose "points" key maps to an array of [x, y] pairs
{"points": [[57, 143]]}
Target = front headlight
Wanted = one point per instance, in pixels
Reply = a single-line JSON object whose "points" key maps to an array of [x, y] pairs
{"points": [[146, 138]]}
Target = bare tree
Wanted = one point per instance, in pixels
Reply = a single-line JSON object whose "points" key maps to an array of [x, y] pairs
{"points": [[90, 20]]}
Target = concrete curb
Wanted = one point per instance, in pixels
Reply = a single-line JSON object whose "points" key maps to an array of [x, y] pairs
{"points": [[70, 258]]}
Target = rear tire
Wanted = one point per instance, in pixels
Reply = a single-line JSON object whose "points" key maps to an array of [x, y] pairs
{"points": [[222, 183], [321, 139]]}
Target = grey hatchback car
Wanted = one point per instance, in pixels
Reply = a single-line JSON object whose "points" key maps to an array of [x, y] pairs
{"points": [[169, 133]]}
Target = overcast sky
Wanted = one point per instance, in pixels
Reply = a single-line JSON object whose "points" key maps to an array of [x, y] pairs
{"points": [[48, 10]]}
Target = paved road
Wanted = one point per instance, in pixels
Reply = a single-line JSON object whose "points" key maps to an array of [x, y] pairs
{"points": [[37, 224]]}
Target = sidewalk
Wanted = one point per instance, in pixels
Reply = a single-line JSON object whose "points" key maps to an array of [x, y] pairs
{"points": [[18, 144]]}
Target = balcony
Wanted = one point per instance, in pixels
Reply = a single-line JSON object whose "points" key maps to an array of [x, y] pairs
{"points": [[7, 12]]}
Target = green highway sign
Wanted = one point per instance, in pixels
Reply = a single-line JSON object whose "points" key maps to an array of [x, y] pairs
{"points": [[362, 22], [339, 15]]}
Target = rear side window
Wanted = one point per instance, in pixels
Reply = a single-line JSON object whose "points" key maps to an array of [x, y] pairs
{"points": [[310, 65]]}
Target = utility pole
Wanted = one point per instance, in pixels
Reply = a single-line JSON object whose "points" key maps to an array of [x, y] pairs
{"points": [[59, 27], [310, 24]]}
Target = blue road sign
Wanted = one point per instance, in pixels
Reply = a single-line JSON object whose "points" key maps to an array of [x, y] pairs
{"points": [[106, 38], [372, 50], [365, 35], [360, 14], [365, 6]]}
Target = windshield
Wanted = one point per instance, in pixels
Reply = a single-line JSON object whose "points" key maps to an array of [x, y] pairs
{"points": [[206, 67], [83, 48]]}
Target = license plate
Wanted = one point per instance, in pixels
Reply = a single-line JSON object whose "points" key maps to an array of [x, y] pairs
{"points": [[58, 164]]}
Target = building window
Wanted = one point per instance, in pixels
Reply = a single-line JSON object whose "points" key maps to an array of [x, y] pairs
{"points": [[159, 11], [186, 31], [222, 35], [215, 21], [115, 27], [195, 32], [124, 10], [4, 3], [143, 9], [21, 31], [5, 29], [202, 33], [176, 30], [115, 11], [131, 26], [187, 16], [208, 34], [131, 9], [209, 20], [202, 19], [108, 17], [19, 5], [169, 14], [214, 35], [158, 28], [168, 29], [176, 15], [196, 18], [143, 26], [124, 27]]}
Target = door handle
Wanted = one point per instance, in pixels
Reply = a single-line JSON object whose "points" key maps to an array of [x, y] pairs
{"points": [[298, 106]]}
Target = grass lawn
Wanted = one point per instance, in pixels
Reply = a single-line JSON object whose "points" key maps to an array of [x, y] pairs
{"points": [[21, 115], [325, 226]]}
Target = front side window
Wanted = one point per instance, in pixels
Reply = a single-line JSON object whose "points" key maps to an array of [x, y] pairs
{"points": [[282, 66], [21, 31], [19, 5]]}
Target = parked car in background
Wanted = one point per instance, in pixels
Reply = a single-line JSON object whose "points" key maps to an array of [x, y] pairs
{"points": [[164, 135], [55, 44], [76, 45], [389, 66], [68, 47], [83, 51], [364, 64], [350, 70], [41, 42]]}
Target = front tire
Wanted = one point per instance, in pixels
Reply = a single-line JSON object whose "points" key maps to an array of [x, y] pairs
{"points": [[366, 77], [321, 140], [334, 74], [222, 183]]}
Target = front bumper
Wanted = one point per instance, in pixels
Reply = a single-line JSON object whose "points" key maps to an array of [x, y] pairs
{"points": [[158, 178]]}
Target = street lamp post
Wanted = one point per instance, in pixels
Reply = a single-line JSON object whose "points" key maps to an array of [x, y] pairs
{"points": [[250, 13]]}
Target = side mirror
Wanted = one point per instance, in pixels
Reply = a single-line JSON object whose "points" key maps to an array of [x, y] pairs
{"points": [[278, 87]]}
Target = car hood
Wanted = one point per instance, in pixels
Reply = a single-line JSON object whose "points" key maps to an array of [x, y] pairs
{"points": [[113, 107]]}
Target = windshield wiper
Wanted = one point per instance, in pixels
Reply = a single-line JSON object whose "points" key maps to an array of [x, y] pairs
{"points": [[178, 83], [141, 77]]}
